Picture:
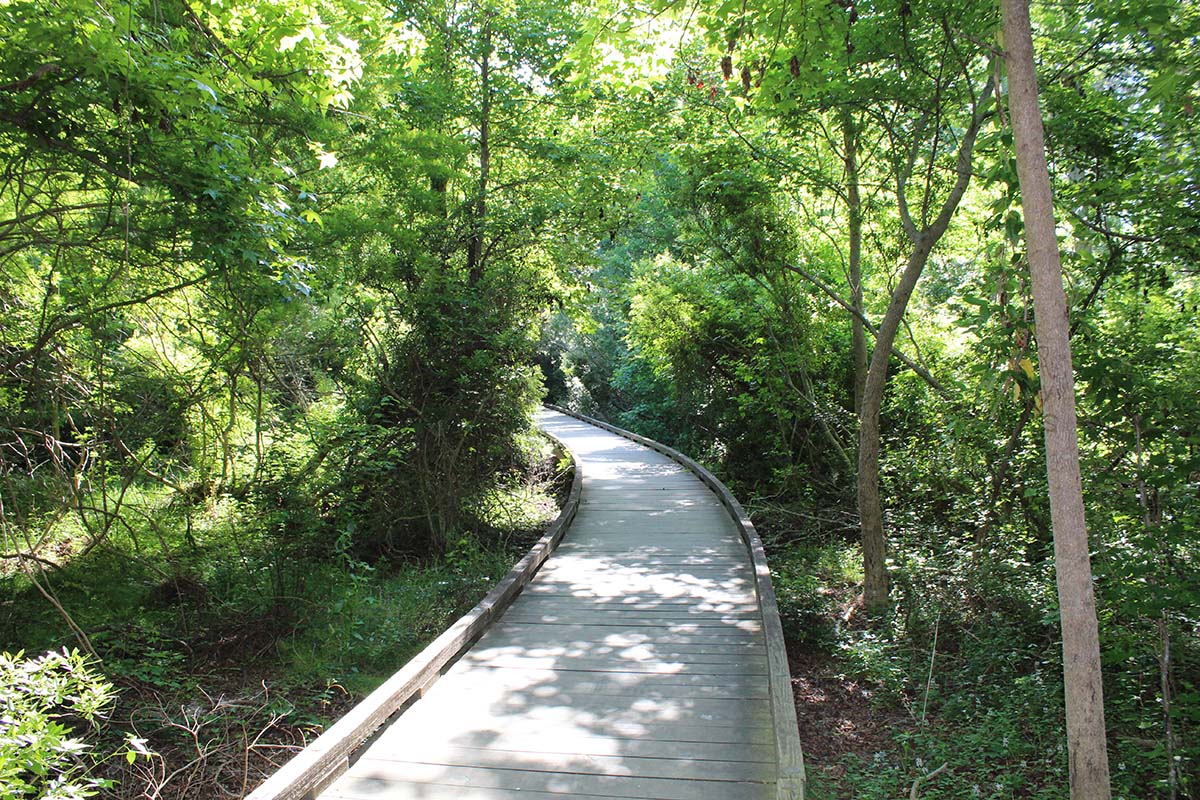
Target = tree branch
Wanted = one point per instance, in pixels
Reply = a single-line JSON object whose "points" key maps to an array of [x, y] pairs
{"points": [[25, 83], [923, 373]]}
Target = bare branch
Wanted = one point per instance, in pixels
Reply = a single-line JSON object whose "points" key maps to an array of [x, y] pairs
{"points": [[923, 373]]}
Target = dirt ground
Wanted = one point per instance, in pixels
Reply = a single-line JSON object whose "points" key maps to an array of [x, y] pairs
{"points": [[837, 716]]}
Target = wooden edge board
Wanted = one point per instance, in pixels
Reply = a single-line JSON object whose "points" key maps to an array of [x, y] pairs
{"points": [[315, 767], [792, 780]]}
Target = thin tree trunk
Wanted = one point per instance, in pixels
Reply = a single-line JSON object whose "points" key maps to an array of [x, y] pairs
{"points": [[996, 485], [228, 459], [1164, 675], [858, 337], [870, 507], [475, 246], [1164, 629], [1086, 748]]}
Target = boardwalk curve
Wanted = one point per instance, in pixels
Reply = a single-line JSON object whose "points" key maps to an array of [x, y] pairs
{"points": [[637, 663]]}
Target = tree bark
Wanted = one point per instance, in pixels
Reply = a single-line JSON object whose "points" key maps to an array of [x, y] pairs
{"points": [[475, 245], [870, 508], [858, 338], [1086, 748]]}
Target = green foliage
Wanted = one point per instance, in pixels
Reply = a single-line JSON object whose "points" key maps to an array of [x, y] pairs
{"points": [[813, 585], [369, 625], [273, 312], [452, 395], [43, 701]]}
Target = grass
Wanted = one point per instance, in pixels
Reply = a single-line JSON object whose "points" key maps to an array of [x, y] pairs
{"points": [[982, 700], [233, 636], [367, 626]]}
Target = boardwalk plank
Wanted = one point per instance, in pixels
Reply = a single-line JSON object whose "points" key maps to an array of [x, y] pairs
{"points": [[637, 603], [651, 687], [535, 757], [375, 775], [632, 666], [593, 632], [419, 748], [611, 665]]}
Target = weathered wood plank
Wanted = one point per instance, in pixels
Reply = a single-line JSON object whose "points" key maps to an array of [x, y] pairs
{"points": [[728, 590], [650, 687], [663, 635], [792, 780], [666, 590], [434, 791], [606, 664], [684, 484], [681, 564], [538, 759], [544, 612], [619, 566], [647, 504], [603, 638], [679, 604], [380, 776], [418, 747], [634, 546], [534, 636], [704, 533], [712, 654], [670, 623], [622, 660], [514, 705], [601, 649], [465, 717]]}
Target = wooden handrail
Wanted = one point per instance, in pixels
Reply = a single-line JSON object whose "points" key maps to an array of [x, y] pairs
{"points": [[791, 779], [329, 755]]}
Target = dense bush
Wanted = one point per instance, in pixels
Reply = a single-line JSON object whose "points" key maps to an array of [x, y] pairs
{"points": [[44, 702]]}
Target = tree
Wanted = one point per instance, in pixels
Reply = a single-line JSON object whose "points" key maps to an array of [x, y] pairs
{"points": [[914, 77], [1081, 646], [459, 230]]}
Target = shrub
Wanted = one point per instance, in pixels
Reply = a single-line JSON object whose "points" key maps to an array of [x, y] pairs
{"points": [[42, 701]]}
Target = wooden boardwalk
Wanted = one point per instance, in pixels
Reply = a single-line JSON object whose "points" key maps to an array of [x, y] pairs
{"points": [[633, 665]]}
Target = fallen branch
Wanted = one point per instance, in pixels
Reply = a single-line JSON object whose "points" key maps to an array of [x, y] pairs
{"points": [[31, 557], [917, 783]]}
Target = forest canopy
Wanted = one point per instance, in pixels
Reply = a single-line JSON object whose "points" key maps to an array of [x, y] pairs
{"points": [[282, 283]]}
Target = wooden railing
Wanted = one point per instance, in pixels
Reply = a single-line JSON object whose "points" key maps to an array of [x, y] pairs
{"points": [[316, 766]]}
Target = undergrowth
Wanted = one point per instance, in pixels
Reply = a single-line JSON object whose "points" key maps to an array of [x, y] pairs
{"points": [[232, 634], [970, 664]]}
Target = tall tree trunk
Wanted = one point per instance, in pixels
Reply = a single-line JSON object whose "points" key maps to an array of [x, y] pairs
{"points": [[475, 246], [858, 337], [1086, 749], [870, 507]]}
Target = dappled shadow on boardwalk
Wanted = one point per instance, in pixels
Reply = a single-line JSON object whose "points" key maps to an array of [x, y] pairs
{"points": [[632, 666]]}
